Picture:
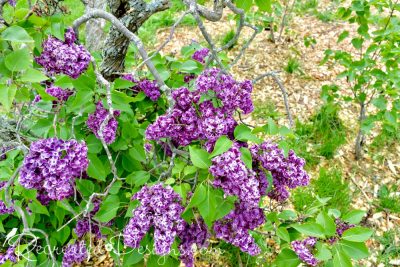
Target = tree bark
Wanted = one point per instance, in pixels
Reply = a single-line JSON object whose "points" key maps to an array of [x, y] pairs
{"points": [[132, 14], [95, 35]]}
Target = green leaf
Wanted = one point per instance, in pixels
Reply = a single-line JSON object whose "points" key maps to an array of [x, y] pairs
{"points": [[355, 250], [18, 60], [246, 157], [327, 223], [96, 168], [189, 66], [357, 234], [272, 127], [198, 197], [132, 257], [264, 5], [283, 234], [199, 157], [33, 76], [380, 103], [7, 94], [108, 209], [122, 84], [323, 252], [287, 258], [84, 186], [208, 207], [354, 216], [340, 259], [222, 145], [37, 207], [310, 229], [343, 36], [138, 178], [243, 133], [16, 34], [357, 43], [244, 4]]}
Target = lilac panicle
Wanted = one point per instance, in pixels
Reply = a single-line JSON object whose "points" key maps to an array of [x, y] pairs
{"points": [[194, 234], [302, 249], [95, 120], [234, 227], [74, 254], [160, 207], [9, 255], [150, 88], [66, 57], [286, 172], [52, 165], [59, 93], [200, 55], [4, 209]]}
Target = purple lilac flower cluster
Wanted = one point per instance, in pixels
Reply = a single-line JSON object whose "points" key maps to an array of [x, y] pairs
{"points": [[286, 172], [51, 167], [160, 207], [194, 234], [342, 226], [303, 249], [74, 254], [234, 228], [12, 3], [9, 255], [150, 88], [200, 55], [64, 57], [86, 224], [4, 209], [190, 120], [59, 93], [232, 175], [95, 120]]}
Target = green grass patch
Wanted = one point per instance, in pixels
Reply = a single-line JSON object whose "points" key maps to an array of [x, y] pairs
{"points": [[329, 184]]}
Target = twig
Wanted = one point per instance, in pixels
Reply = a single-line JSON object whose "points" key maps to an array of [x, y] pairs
{"points": [[274, 75]]}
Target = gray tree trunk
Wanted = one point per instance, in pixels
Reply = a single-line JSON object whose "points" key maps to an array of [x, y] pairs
{"points": [[95, 35], [132, 14]]}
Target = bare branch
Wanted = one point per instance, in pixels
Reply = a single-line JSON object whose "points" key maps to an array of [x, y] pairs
{"points": [[274, 75], [96, 13]]}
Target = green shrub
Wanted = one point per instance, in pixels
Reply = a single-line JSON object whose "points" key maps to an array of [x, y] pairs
{"points": [[391, 247], [293, 66], [387, 201], [329, 184]]}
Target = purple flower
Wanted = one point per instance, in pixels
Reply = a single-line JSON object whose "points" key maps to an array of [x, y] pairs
{"points": [[74, 254], [286, 172], [95, 120], [194, 234], [85, 225], [59, 93], [4, 209], [9, 255], [150, 88], [234, 227], [37, 98], [64, 57], [200, 55], [302, 249], [232, 175], [12, 3], [160, 207], [52, 166]]}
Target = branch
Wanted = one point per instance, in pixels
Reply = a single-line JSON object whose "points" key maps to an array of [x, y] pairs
{"points": [[274, 75], [96, 13]]}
